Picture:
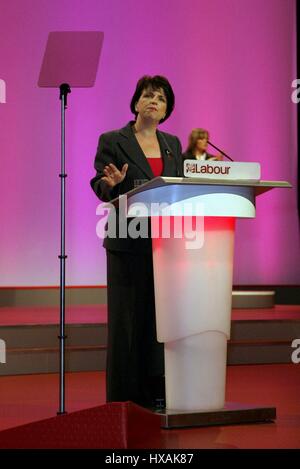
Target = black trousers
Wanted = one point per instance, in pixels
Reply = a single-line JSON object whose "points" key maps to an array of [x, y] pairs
{"points": [[135, 360]]}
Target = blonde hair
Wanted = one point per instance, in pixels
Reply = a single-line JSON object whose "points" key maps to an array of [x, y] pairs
{"points": [[193, 137]]}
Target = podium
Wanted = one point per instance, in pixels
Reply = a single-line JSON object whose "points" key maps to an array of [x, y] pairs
{"points": [[192, 228]]}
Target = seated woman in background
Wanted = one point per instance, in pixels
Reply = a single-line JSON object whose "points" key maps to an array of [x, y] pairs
{"points": [[197, 147]]}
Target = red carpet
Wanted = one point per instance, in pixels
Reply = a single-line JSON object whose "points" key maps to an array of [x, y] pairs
{"points": [[120, 425]]}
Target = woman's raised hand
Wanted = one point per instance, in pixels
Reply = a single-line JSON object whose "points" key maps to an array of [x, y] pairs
{"points": [[112, 176]]}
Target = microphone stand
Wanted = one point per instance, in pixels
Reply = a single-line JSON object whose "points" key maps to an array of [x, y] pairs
{"points": [[212, 145], [64, 90]]}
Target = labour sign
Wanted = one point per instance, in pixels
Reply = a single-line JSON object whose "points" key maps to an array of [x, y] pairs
{"points": [[222, 170]]}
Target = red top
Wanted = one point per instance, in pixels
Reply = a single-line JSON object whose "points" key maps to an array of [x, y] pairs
{"points": [[156, 165]]}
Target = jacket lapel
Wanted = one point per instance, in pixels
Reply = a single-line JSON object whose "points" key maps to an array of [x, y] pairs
{"points": [[134, 153], [166, 153]]}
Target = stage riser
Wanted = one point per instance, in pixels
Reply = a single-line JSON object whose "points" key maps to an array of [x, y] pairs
{"points": [[265, 330], [35, 361], [22, 297], [259, 354], [18, 297], [43, 336], [34, 349]]}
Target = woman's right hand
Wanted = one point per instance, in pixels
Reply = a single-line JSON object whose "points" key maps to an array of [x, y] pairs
{"points": [[112, 176]]}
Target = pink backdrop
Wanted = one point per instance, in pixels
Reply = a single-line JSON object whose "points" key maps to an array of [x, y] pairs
{"points": [[231, 63]]}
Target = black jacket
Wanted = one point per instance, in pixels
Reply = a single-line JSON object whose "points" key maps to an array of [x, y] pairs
{"points": [[120, 147]]}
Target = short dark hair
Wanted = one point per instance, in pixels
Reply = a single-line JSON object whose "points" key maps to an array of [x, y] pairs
{"points": [[155, 83]]}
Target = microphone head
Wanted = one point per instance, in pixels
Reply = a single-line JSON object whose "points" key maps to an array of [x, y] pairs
{"points": [[169, 154]]}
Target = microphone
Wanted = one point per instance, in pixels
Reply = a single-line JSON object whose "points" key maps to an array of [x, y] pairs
{"points": [[212, 145]]}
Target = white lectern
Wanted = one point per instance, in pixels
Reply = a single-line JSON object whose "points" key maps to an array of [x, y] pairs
{"points": [[193, 267]]}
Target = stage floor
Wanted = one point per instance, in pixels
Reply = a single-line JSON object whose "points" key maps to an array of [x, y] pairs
{"points": [[97, 314], [24, 399]]}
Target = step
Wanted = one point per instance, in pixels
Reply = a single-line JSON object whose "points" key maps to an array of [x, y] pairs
{"points": [[46, 360], [46, 335], [253, 299], [35, 297], [257, 336], [254, 352]]}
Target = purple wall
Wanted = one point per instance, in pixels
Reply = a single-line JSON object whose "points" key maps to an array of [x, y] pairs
{"points": [[231, 63]]}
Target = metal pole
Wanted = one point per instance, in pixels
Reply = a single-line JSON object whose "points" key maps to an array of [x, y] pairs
{"points": [[64, 90]]}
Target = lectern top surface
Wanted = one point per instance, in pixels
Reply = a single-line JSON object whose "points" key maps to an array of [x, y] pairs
{"points": [[161, 180], [260, 187]]}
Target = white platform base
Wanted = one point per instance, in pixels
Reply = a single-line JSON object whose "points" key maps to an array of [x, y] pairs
{"points": [[196, 372]]}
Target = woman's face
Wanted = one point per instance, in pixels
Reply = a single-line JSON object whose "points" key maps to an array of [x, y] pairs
{"points": [[201, 144], [152, 104]]}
